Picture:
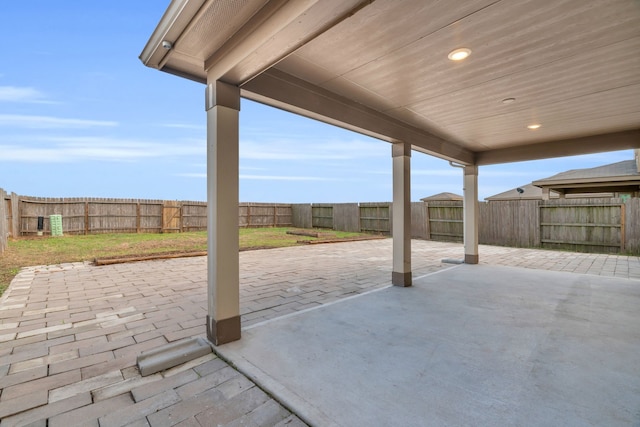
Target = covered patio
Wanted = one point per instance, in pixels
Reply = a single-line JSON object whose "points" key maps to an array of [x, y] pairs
{"points": [[469, 345], [528, 337], [473, 82]]}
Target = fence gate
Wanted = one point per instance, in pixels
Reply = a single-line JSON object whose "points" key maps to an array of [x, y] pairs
{"points": [[582, 226], [322, 216], [171, 217], [446, 221], [375, 217]]}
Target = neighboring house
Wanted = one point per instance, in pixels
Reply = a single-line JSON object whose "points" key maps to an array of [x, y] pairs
{"points": [[440, 197], [620, 179], [531, 192], [527, 192]]}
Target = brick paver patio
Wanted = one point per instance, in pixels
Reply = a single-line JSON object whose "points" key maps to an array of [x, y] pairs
{"points": [[70, 334]]}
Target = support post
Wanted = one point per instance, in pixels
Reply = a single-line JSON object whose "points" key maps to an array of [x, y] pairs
{"points": [[545, 193], [470, 207], [401, 214], [223, 276]]}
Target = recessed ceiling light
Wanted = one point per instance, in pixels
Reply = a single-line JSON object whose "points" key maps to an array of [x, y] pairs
{"points": [[534, 126], [508, 100], [459, 54]]}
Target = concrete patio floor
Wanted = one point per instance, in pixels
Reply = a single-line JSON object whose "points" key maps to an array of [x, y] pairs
{"points": [[471, 345], [565, 343]]}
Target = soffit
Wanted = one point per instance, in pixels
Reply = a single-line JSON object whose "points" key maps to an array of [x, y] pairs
{"points": [[571, 65]]}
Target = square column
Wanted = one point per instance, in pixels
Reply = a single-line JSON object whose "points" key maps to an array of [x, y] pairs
{"points": [[470, 206], [545, 193], [223, 274], [401, 214]]}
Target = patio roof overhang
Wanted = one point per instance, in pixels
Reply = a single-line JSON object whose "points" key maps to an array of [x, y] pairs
{"points": [[381, 68]]}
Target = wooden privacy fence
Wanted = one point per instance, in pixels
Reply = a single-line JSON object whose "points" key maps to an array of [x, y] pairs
{"points": [[375, 217], [264, 215], [585, 225], [509, 223], [588, 225], [353, 217], [445, 220], [94, 216], [4, 222]]}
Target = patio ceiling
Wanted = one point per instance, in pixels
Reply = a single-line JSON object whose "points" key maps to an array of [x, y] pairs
{"points": [[381, 68]]}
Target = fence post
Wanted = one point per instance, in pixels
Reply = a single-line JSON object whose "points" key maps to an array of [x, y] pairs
{"points": [[275, 216], [86, 218], [181, 229], [538, 242], [15, 215], [622, 227], [4, 226], [428, 220]]}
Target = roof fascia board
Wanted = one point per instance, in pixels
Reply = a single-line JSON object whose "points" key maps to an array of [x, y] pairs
{"points": [[175, 19], [565, 187], [281, 90], [596, 180], [616, 141]]}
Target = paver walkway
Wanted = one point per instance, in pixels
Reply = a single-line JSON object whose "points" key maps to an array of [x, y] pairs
{"points": [[70, 334]]}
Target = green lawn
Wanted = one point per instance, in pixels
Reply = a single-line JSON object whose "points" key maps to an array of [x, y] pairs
{"points": [[55, 250]]}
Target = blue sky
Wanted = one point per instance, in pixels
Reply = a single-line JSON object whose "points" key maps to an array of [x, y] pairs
{"points": [[81, 116]]}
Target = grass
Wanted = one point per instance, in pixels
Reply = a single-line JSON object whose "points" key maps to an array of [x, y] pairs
{"points": [[46, 250]]}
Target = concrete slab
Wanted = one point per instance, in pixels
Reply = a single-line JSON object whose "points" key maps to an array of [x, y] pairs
{"points": [[470, 345]]}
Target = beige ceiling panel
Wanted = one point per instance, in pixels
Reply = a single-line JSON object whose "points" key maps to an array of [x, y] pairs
{"points": [[359, 94], [214, 25], [179, 59], [576, 129], [382, 28], [517, 36], [584, 73], [317, 19], [412, 118], [601, 112], [296, 65]]}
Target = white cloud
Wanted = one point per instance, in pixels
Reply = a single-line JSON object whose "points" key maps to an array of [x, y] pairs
{"points": [[20, 94], [437, 172], [48, 122], [192, 175], [284, 178], [184, 126], [310, 150], [74, 149], [512, 173], [261, 177], [457, 172]]}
